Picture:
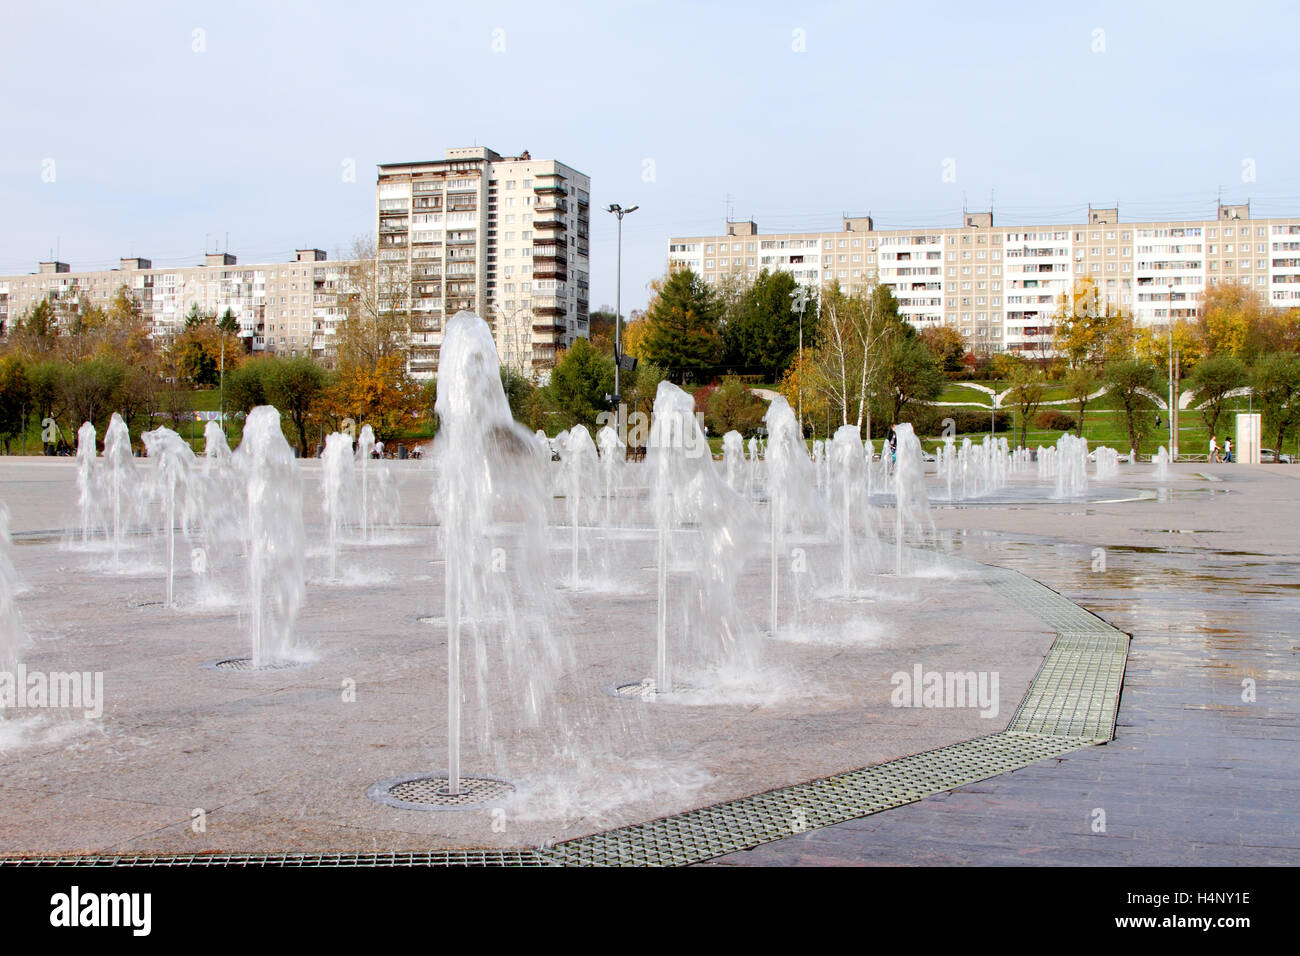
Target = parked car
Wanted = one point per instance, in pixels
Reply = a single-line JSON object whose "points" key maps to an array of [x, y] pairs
{"points": [[1269, 456]]}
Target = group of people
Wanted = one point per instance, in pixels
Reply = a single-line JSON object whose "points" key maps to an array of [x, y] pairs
{"points": [[1214, 449]]}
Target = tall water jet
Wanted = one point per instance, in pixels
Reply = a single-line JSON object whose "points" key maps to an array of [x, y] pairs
{"points": [[1072, 466], [690, 499], [911, 505], [215, 447], [612, 459], [365, 448], [489, 482], [751, 477], [174, 463], [12, 634], [1107, 463], [86, 478], [791, 480], [848, 488], [579, 464], [1162, 464], [733, 453], [273, 534], [338, 490], [120, 474]]}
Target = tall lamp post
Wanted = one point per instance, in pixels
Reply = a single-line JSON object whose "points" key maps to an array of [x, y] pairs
{"points": [[1173, 411], [620, 212]]}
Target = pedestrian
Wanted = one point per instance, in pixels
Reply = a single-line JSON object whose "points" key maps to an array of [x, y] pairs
{"points": [[1214, 448], [379, 449], [1227, 450]]}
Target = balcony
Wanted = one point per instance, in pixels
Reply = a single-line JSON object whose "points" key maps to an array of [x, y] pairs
{"points": [[549, 224], [548, 330], [550, 270], [553, 187]]}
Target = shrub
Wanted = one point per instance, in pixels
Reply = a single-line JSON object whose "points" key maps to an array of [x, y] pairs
{"points": [[1053, 420]]}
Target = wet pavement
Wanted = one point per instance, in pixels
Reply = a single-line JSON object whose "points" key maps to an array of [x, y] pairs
{"points": [[1205, 767]]}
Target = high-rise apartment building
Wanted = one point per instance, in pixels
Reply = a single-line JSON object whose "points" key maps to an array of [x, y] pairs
{"points": [[507, 237], [1000, 286]]}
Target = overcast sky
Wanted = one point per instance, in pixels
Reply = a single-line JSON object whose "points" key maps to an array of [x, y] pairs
{"points": [[162, 124]]}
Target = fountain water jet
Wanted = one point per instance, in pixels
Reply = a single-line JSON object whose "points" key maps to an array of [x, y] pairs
{"points": [[175, 463], [13, 636], [273, 533], [693, 504], [489, 483], [121, 478], [86, 476], [338, 490]]}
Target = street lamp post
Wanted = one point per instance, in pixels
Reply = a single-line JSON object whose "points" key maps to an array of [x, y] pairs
{"points": [[1173, 436], [620, 212]]}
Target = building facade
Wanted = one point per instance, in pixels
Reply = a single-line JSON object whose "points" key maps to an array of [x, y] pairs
{"points": [[287, 308], [1001, 286], [507, 237]]}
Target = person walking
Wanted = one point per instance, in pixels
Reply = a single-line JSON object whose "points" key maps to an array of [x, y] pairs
{"points": [[1227, 450], [1214, 449]]}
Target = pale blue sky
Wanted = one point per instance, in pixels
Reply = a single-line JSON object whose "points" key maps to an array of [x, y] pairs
{"points": [[156, 145]]}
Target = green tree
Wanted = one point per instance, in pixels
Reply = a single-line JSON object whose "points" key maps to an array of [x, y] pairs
{"points": [[91, 391], [229, 324], [1025, 395], [296, 386], [733, 406], [1129, 382], [195, 317], [1276, 382], [246, 386], [1080, 383], [761, 331], [946, 345], [1212, 380], [908, 373], [1086, 327], [45, 381], [683, 334], [575, 395], [15, 399], [519, 391]]}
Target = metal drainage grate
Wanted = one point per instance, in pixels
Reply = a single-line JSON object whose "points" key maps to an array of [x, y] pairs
{"points": [[428, 791], [644, 690], [454, 858], [246, 664], [742, 824]]}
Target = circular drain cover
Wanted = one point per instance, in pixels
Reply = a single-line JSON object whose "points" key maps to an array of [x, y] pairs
{"points": [[246, 664], [428, 791]]}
